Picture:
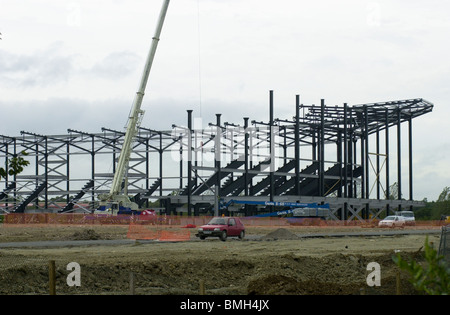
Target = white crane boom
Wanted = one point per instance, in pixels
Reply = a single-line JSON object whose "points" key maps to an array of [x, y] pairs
{"points": [[133, 124]]}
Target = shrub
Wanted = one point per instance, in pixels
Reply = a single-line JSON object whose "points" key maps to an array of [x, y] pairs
{"points": [[432, 277]]}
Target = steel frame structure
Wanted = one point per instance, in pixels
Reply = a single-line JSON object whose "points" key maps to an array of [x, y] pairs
{"points": [[323, 154]]}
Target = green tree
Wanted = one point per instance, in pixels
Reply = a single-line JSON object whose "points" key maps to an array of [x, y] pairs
{"points": [[435, 210], [445, 195], [15, 165]]}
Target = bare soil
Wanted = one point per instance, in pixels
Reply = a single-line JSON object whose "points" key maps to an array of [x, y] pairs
{"points": [[271, 260]]}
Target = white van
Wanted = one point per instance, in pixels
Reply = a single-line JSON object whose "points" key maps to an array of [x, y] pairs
{"points": [[408, 216]]}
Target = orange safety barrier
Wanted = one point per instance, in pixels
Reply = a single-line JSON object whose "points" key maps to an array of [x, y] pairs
{"points": [[175, 236], [141, 232], [64, 219], [269, 221], [21, 218], [16, 219], [146, 232]]}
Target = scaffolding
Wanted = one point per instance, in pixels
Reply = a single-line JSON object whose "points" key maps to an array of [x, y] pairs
{"points": [[335, 154]]}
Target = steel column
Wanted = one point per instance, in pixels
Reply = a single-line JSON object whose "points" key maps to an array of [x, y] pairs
{"points": [[322, 149], [246, 135], [399, 157], [189, 174], [217, 165], [410, 159], [387, 159], [345, 152], [297, 145], [271, 147]]}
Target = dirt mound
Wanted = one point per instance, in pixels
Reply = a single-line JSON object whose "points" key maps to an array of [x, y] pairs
{"points": [[87, 234], [274, 284], [280, 234], [334, 265], [335, 274]]}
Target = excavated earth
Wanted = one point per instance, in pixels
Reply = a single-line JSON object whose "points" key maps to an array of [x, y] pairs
{"points": [[275, 261]]}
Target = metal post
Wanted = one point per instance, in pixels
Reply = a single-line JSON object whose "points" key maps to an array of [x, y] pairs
{"points": [[355, 159], [345, 152], [285, 147], [271, 147], [366, 139], [398, 284], [6, 168], [37, 173], [366, 153], [46, 173], [341, 213], [246, 157], [297, 145], [52, 277], [195, 157], [161, 152], [352, 158], [147, 166], [15, 175], [363, 164], [217, 165], [387, 159], [202, 287], [93, 166], [378, 162], [181, 165], [410, 159], [399, 157], [322, 149], [346, 158], [246, 179], [339, 161], [189, 171], [132, 283], [68, 171]]}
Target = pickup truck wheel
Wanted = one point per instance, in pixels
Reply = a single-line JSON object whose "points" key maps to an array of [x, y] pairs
{"points": [[202, 237], [242, 235], [223, 236]]}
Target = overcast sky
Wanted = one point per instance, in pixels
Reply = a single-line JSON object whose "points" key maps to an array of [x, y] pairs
{"points": [[77, 64]]}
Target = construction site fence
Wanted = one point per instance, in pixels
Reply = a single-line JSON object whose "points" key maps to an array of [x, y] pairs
{"points": [[444, 244], [138, 231], [183, 221]]}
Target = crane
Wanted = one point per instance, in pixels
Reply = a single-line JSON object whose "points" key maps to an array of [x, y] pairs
{"points": [[115, 198]]}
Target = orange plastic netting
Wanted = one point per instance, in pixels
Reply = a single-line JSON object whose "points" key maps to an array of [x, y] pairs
{"points": [[147, 232], [142, 227]]}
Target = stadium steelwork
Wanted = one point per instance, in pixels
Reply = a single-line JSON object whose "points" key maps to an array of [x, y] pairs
{"points": [[348, 156]]}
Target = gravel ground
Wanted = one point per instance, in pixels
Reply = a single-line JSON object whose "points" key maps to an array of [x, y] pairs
{"points": [[270, 260]]}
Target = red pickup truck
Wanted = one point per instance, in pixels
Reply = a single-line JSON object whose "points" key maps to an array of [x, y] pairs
{"points": [[222, 227]]}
